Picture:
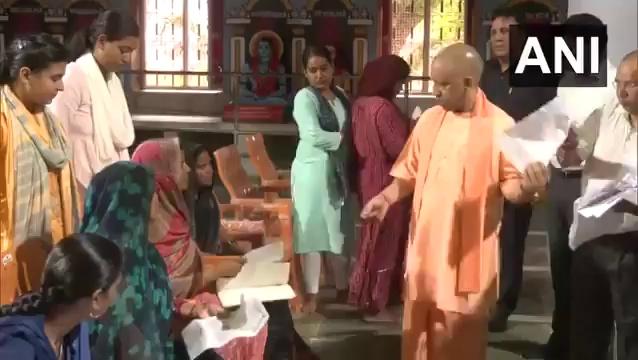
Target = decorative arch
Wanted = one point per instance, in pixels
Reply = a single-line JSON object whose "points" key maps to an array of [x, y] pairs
{"points": [[104, 3], [252, 3], [10, 3], [551, 4], [310, 5]]}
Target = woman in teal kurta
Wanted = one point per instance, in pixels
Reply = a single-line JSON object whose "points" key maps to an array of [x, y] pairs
{"points": [[319, 181]]}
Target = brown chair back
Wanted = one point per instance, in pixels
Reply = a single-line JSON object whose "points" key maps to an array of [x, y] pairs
{"points": [[259, 157], [232, 173]]}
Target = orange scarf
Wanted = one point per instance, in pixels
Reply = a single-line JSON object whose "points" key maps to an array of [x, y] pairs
{"points": [[476, 178]]}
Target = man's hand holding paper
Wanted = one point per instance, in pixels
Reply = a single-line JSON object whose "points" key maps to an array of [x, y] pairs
{"points": [[537, 137], [549, 131]]}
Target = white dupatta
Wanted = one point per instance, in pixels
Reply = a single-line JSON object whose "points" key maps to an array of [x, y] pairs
{"points": [[113, 131]]}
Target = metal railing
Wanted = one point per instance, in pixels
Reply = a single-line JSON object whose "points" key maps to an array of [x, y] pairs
{"points": [[229, 83]]}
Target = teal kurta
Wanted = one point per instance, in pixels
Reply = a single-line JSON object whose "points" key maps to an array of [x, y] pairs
{"points": [[317, 219]]}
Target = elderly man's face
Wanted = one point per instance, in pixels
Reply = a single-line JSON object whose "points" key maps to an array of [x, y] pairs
{"points": [[627, 85]]}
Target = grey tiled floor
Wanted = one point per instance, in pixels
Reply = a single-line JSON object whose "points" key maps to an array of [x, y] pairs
{"points": [[339, 333]]}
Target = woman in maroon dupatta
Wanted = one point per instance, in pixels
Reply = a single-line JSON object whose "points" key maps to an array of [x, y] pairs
{"points": [[192, 273], [380, 131]]}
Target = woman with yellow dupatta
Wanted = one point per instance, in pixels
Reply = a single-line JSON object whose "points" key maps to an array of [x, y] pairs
{"points": [[39, 204]]}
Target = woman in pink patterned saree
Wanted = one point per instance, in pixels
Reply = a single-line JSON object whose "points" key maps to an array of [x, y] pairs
{"points": [[192, 273]]}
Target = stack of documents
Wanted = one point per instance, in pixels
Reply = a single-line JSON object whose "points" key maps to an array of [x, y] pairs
{"points": [[214, 333], [597, 203], [594, 215], [264, 276]]}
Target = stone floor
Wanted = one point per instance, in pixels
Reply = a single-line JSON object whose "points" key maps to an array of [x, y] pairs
{"points": [[338, 333]]}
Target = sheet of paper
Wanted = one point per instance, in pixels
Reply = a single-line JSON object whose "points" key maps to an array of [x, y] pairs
{"points": [[599, 209], [257, 274], [593, 213], [416, 114], [537, 137], [588, 228], [602, 194], [273, 252], [631, 196], [213, 333], [231, 297]]}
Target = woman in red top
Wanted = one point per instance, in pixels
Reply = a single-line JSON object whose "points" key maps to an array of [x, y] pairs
{"points": [[380, 131]]}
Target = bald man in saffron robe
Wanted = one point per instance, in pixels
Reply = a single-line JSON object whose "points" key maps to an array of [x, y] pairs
{"points": [[453, 167]]}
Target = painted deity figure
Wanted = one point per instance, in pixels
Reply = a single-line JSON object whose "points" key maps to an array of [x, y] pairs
{"points": [[259, 86]]}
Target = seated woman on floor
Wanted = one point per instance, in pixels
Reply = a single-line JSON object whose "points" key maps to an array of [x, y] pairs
{"points": [[81, 280], [139, 326], [117, 205], [190, 270], [212, 234], [192, 273], [171, 234]]}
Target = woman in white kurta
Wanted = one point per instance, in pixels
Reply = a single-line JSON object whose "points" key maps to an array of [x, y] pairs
{"points": [[92, 107], [317, 192]]}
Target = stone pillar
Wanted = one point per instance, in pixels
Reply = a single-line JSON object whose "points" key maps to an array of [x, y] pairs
{"points": [[298, 46], [359, 59], [237, 58]]}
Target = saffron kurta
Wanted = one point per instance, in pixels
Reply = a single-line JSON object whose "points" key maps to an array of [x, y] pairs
{"points": [[317, 222], [435, 311]]}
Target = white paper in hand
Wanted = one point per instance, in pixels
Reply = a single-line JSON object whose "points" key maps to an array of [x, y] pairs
{"points": [[537, 137], [273, 252], [593, 211], [601, 195], [416, 114], [213, 333]]}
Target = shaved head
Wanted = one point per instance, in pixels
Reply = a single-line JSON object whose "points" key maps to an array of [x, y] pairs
{"points": [[632, 57], [627, 83], [463, 59], [456, 72]]}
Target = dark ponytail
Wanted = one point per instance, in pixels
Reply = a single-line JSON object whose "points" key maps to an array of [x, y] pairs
{"points": [[314, 50], [36, 52], [114, 24], [79, 44], [4, 71], [77, 266]]}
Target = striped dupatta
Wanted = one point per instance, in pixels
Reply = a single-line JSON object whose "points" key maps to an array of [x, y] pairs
{"points": [[34, 158]]}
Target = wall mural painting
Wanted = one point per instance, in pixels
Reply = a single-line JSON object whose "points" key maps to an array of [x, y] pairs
{"points": [[25, 17], [60, 18], [267, 38], [81, 15], [265, 50]]}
